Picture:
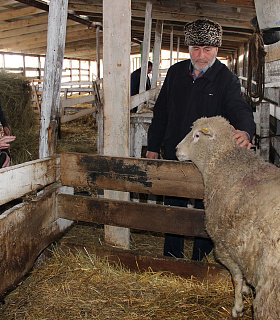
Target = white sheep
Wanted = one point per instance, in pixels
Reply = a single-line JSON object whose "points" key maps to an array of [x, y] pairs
{"points": [[242, 212]]}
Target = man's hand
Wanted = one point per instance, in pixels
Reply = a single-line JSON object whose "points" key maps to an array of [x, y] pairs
{"points": [[241, 138], [151, 155]]}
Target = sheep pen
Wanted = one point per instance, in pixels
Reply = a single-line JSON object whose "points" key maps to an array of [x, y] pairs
{"points": [[241, 197], [79, 285]]}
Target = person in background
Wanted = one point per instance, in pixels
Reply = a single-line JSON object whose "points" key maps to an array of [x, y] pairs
{"points": [[199, 87], [135, 82]]}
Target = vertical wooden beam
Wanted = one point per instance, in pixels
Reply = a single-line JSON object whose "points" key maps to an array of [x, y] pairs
{"points": [[23, 62], [178, 48], [157, 51], [100, 115], [146, 46], [264, 109], [171, 45], [80, 75], [57, 20], [39, 67], [116, 86], [98, 50]]}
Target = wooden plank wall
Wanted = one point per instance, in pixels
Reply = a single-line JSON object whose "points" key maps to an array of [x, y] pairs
{"points": [[21, 179], [26, 230]]}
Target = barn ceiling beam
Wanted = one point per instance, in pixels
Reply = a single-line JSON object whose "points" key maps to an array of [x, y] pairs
{"points": [[19, 13], [230, 36], [237, 3], [229, 17], [45, 7], [10, 25], [179, 3], [41, 37], [22, 21]]}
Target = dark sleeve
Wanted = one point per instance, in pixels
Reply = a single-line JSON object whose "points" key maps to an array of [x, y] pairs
{"points": [[3, 118], [238, 112], [135, 82], [156, 132]]}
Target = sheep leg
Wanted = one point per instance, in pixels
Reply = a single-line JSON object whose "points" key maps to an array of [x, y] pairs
{"points": [[246, 290], [237, 279]]}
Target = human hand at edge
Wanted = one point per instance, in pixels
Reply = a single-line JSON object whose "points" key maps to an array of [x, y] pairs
{"points": [[241, 138], [152, 155]]}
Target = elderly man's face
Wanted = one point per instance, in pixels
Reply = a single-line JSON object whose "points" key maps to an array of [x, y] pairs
{"points": [[202, 57]]}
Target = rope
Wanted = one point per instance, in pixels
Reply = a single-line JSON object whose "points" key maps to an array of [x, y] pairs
{"points": [[256, 63]]}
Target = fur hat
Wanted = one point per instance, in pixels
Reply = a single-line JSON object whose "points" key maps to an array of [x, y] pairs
{"points": [[203, 32]]}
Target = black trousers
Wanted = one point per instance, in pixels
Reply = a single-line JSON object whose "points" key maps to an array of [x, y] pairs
{"points": [[174, 244]]}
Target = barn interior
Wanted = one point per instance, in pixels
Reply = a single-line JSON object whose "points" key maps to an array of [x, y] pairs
{"points": [[84, 51]]}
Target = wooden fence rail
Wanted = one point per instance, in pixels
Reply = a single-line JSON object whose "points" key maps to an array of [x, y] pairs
{"points": [[133, 215], [160, 177]]}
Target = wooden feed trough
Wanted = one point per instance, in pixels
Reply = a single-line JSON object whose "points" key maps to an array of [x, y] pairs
{"points": [[28, 228]]}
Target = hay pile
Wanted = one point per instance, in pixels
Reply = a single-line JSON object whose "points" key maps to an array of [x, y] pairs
{"points": [[79, 135], [83, 286], [15, 99]]}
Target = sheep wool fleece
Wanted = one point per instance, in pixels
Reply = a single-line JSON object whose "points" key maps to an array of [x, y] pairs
{"points": [[242, 212], [182, 101]]}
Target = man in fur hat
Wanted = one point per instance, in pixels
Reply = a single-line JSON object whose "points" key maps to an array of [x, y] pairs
{"points": [[199, 87]]}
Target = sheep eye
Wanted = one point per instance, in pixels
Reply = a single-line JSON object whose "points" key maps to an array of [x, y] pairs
{"points": [[196, 135]]}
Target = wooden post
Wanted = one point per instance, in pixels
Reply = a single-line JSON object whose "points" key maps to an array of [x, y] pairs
{"points": [[52, 77], [98, 50], [178, 48], [100, 115], [146, 49], [264, 108], [171, 45], [116, 85], [157, 50]]}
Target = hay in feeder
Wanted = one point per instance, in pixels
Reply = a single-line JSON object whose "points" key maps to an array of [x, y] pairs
{"points": [[15, 98], [83, 286]]}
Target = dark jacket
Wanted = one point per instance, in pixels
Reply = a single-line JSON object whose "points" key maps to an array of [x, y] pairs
{"points": [[135, 82], [182, 101]]}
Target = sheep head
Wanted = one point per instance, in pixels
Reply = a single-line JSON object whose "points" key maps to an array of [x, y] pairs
{"points": [[209, 140]]}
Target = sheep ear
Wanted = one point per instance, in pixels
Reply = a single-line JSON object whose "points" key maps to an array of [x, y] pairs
{"points": [[205, 131]]}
